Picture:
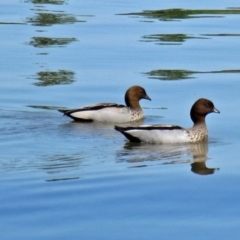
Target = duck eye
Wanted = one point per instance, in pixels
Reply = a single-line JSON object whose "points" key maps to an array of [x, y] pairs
{"points": [[208, 105]]}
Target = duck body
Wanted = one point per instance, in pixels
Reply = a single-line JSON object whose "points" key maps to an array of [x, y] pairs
{"points": [[164, 133], [112, 112], [173, 133], [104, 112]]}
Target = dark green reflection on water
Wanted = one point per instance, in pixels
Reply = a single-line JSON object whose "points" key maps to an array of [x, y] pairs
{"points": [[49, 42], [177, 39], [12, 23], [171, 39], [56, 2], [177, 13], [44, 107], [176, 74], [221, 35], [50, 78], [48, 19], [166, 74]]}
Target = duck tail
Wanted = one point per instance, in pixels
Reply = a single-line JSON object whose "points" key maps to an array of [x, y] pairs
{"points": [[120, 129], [63, 111], [126, 134]]}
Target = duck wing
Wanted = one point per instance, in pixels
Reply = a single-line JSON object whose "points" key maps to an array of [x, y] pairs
{"points": [[144, 131], [93, 107]]}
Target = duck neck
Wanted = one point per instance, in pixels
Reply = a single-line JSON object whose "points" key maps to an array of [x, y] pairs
{"points": [[198, 120], [133, 104]]}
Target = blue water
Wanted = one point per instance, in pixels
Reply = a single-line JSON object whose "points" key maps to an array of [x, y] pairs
{"points": [[66, 180]]}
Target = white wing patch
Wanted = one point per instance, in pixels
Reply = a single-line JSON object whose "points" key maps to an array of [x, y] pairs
{"points": [[111, 114], [160, 136]]}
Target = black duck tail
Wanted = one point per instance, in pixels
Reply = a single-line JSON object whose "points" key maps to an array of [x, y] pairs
{"points": [[127, 135], [63, 111]]}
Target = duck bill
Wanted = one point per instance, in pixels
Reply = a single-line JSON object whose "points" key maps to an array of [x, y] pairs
{"points": [[147, 97], [215, 110]]}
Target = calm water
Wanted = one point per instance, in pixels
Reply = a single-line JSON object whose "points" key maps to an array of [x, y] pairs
{"points": [[66, 180]]}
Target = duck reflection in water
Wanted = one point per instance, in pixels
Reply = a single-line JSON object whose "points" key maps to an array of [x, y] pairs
{"points": [[193, 153], [199, 154]]}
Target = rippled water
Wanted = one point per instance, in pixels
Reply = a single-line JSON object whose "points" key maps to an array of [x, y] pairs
{"points": [[67, 180]]}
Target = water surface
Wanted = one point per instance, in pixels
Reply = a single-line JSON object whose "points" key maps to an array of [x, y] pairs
{"points": [[68, 180]]}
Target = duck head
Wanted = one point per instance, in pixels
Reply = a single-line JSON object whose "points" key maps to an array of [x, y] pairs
{"points": [[133, 95], [200, 109]]}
